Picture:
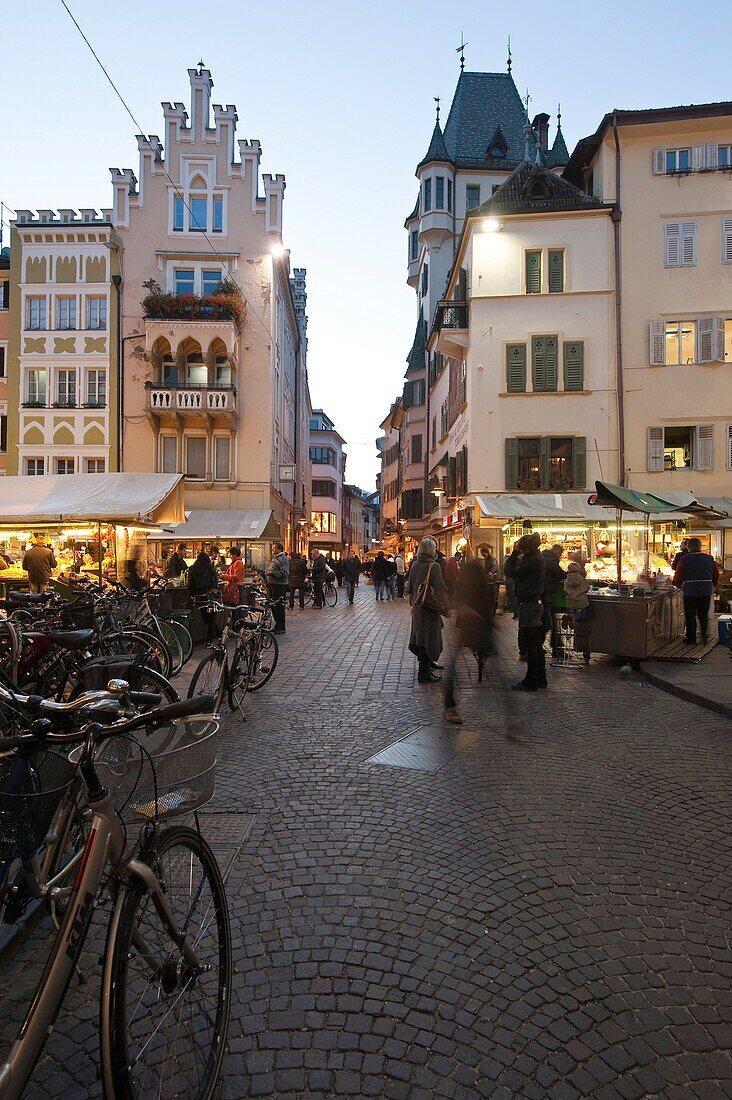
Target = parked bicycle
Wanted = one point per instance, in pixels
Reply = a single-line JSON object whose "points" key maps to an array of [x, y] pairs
{"points": [[242, 659], [166, 983]]}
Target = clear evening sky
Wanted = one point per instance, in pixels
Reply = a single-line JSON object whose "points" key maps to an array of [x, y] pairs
{"points": [[341, 97]]}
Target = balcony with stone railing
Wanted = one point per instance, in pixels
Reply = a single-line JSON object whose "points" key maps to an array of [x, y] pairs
{"points": [[188, 400]]}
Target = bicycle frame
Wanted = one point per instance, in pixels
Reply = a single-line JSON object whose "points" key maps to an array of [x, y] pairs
{"points": [[105, 844]]}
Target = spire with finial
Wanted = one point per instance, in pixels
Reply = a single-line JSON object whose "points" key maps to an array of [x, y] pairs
{"points": [[509, 55], [559, 116], [437, 101], [201, 66], [527, 129], [461, 50]]}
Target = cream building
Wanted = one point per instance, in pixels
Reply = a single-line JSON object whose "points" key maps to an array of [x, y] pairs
{"points": [[390, 477], [327, 467], [63, 341], [4, 337], [213, 328]]}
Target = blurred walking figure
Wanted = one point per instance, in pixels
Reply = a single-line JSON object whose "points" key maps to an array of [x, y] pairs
{"points": [[391, 578], [429, 602], [298, 576], [378, 575], [473, 628], [490, 566], [351, 570], [452, 572], [400, 574], [529, 572]]}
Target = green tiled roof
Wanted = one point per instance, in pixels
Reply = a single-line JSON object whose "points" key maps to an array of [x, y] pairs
{"points": [[415, 359], [559, 155], [437, 150], [482, 103], [532, 188]]}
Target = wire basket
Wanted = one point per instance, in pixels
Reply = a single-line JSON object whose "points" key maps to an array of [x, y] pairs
{"points": [[78, 615], [30, 793], [166, 773]]}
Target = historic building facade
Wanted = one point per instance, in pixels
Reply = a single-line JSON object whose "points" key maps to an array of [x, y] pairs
{"points": [[327, 469], [214, 374], [62, 350], [4, 337]]}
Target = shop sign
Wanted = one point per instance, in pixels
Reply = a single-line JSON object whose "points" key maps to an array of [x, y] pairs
{"points": [[454, 518], [287, 471]]}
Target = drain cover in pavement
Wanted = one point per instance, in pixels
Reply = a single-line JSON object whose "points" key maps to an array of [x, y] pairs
{"points": [[226, 830], [426, 750]]}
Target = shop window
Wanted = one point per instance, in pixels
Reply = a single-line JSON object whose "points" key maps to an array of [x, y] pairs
{"points": [[34, 467], [680, 343], [65, 466], [196, 457], [169, 454], [222, 457], [66, 313], [95, 465]]}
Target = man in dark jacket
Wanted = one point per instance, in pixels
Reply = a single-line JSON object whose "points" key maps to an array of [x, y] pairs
{"points": [[176, 563], [351, 570], [555, 596], [697, 575], [529, 571], [319, 573], [378, 575], [277, 574], [298, 575]]}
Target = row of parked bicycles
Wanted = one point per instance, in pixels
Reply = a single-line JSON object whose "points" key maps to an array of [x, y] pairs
{"points": [[97, 755]]}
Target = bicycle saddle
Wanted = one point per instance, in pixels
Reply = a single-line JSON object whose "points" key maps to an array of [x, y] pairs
{"points": [[27, 597], [71, 639]]}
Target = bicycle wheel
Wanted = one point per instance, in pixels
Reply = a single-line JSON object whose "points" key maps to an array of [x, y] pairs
{"points": [[139, 642], [264, 660], [210, 678], [239, 673], [330, 593], [183, 635], [173, 643], [164, 1019]]}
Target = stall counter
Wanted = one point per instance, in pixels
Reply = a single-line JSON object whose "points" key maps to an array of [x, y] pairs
{"points": [[631, 626]]}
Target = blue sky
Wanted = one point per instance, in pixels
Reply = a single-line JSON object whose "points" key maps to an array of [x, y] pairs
{"points": [[340, 95]]}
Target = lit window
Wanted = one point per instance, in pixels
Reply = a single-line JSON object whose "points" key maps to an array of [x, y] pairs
{"points": [[179, 214], [218, 214], [323, 522], [210, 281], [95, 465], [678, 160], [678, 448], [65, 466], [34, 467], [184, 280], [196, 457], [198, 213], [96, 388], [66, 313], [36, 313], [680, 342], [196, 370], [96, 313]]}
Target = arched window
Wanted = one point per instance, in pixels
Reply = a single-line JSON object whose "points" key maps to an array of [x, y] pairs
{"points": [[198, 203]]}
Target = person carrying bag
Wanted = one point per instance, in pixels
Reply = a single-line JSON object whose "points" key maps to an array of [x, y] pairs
{"points": [[429, 604]]}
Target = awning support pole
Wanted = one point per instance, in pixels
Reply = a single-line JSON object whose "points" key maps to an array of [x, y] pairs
{"points": [[619, 543], [99, 544]]}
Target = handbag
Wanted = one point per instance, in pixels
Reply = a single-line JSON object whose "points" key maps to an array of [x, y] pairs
{"points": [[231, 595], [426, 596]]}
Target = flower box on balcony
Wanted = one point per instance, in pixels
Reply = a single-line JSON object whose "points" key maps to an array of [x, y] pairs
{"points": [[226, 304]]}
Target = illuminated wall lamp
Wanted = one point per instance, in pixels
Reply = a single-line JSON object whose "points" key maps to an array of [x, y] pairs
{"points": [[492, 225]]}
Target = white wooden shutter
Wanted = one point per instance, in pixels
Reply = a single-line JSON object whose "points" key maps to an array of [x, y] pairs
{"points": [[705, 340], [729, 446], [688, 243], [711, 156], [719, 343], [659, 162], [727, 240], [655, 450], [704, 447], [698, 158], [671, 233], [657, 342]]}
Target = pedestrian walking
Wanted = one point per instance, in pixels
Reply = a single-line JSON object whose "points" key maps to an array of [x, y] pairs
{"points": [[576, 587], [378, 575], [297, 578], [277, 575], [697, 575], [401, 571], [39, 562], [391, 578], [318, 574], [530, 579], [490, 567], [473, 628], [555, 599], [338, 570], [351, 569], [203, 587], [428, 598]]}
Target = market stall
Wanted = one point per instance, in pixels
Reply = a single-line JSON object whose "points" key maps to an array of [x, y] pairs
{"points": [[96, 524], [252, 529]]}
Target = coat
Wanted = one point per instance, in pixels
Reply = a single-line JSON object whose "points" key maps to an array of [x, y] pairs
{"points": [[39, 563], [298, 572], [426, 634], [576, 588], [554, 580], [378, 569], [278, 570], [352, 569]]}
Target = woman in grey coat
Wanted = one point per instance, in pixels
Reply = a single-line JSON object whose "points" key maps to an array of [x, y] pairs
{"points": [[425, 641]]}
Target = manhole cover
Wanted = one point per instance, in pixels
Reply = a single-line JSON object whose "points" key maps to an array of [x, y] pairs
{"points": [[226, 830], [427, 749]]}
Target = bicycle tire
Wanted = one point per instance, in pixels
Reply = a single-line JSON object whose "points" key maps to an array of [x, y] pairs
{"points": [[155, 1006], [184, 637], [139, 642], [330, 595], [173, 643], [265, 661], [238, 677], [209, 679]]}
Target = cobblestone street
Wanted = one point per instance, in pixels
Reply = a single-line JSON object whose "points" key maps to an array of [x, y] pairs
{"points": [[547, 914]]}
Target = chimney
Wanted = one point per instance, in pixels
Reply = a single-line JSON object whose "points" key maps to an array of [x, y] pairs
{"points": [[541, 129]]}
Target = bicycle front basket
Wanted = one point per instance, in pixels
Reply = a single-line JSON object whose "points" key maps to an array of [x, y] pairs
{"points": [[30, 793], [166, 773]]}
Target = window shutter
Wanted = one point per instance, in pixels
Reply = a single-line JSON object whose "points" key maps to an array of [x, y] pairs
{"points": [[655, 450], [727, 240], [451, 476], [672, 232], [729, 446], [516, 368], [705, 340], [704, 447], [551, 344], [556, 271], [465, 467], [719, 340], [538, 372], [459, 488], [545, 445], [711, 156], [533, 272], [461, 286], [574, 365], [657, 342], [512, 463], [579, 462], [688, 243], [659, 162], [699, 157]]}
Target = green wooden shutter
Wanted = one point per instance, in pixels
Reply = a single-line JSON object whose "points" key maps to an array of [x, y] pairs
{"points": [[544, 463], [538, 359], [579, 462], [556, 271], [512, 463], [551, 343], [533, 272], [574, 365], [516, 368]]}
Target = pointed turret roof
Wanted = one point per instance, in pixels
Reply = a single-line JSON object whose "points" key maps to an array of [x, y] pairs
{"points": [[559, 155], [415, 359], [437, 150], [532, 188], [483, 103]]}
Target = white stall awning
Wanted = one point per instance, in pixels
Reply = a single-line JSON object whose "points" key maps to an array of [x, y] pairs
{"points": [[235, 525], [513, 506], [106, 498]]}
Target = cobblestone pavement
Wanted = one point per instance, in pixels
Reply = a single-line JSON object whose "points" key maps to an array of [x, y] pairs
{"points": [[547, 915]]}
